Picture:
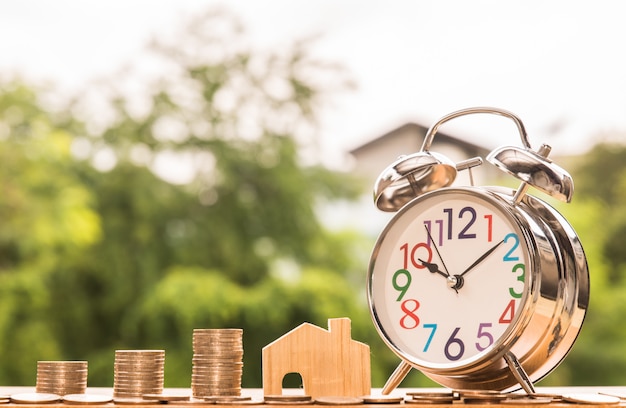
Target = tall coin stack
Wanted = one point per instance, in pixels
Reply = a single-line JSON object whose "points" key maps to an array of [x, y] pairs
{"points": [[61, 377], [217, 362], [138, 372]]}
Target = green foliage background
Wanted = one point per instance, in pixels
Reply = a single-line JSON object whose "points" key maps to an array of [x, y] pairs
{"points": [[98, 253]]}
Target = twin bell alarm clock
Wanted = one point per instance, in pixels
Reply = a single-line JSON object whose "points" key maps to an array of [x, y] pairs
{"points": [[477, 287]]}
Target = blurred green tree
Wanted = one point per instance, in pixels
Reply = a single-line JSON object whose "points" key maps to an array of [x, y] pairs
{"points": [[598, 217], [46, 217], [134, 257]]}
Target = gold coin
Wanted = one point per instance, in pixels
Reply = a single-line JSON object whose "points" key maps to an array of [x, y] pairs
{"points": [[255, 401], [138, 391], [431, 393], [154, 376], [482, 396], [195, 401], [166, 397], [338, 400], [131, 366], [382, 399], [432, 401], [278, 402], [287, 397], [477, 392], [43, 373], [140, 352], [209, 338], [61, 381], [554, 397], [227, 398], [482, 401], [86, 399], [216, 386], [62, 364], [526, 400], [60, 391], [129, 401], [432, 397], [216, 378], [591, 398], [62, 376], [221, 358], [209, 394], [215, 392], [137, 358], [135, 393], [35, 398]]}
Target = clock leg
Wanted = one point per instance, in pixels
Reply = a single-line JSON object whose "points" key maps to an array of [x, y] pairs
{"points": [[396, 377], [519, 373]]}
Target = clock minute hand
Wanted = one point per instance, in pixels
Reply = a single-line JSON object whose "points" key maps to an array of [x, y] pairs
{"points": [[482, 257]]}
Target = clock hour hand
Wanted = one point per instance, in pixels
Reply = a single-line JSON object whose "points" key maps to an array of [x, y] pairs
{"points": [[433, 268]]}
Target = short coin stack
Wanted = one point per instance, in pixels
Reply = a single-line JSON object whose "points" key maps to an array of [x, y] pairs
{"points": [[61, 377], [287, 399], [436, 397], [138, 372], [217, 362]]}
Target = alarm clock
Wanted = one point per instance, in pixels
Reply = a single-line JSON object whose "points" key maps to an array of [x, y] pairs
{"points": [[477, 287]]}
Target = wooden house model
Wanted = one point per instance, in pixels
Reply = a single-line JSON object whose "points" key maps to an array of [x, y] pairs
{"points": [[329, 361]]}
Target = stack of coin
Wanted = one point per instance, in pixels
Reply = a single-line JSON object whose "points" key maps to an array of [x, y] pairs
{"points": [[138, 372], [481, 396], [61, 377], [435, 397], [217, 362], [287, 399], [382, 399]]}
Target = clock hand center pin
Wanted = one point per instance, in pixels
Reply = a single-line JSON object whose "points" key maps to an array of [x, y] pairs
{"points": [[459, 278]]}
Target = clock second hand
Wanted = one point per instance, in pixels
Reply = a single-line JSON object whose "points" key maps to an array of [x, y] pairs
{"points": [[452, 282], [436, 250]]}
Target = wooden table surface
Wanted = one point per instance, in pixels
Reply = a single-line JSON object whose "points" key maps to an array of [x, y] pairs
{"points": [[257, 395]]}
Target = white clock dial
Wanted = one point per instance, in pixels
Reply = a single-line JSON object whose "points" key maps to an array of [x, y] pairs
{"points": [[448, 277]]}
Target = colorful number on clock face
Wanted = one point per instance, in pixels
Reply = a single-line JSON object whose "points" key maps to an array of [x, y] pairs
{"points": [[448, 277]]}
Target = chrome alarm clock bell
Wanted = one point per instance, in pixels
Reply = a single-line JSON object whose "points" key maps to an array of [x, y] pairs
{"points": [[478, 287]]}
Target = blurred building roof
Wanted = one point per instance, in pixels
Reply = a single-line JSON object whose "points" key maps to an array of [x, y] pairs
{"points": [[374, 156]]}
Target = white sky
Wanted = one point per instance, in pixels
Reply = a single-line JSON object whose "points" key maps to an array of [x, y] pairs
{"points": [[560, 65]]}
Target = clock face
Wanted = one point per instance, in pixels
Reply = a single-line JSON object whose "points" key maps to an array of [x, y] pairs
{"points": [[448, 277]]}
